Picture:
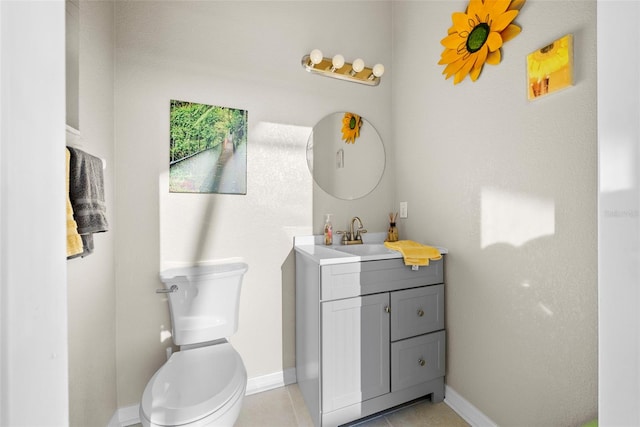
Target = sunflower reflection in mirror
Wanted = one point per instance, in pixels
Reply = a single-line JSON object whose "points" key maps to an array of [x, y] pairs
{"points": [[477, 35], [351, 124]]}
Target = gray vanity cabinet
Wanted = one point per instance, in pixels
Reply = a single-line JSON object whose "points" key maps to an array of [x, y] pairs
{"points": [[369, 336]]}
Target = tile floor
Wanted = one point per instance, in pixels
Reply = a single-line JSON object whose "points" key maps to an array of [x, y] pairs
{"points": [[284, 407]]}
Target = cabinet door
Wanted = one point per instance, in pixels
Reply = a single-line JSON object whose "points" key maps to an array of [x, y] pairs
{"points": [[417, 311], [355, 350]]}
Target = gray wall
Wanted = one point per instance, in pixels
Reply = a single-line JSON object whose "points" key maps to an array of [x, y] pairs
{"points": [[91, 280], [510, 187], [521, 293], [243, 55]]}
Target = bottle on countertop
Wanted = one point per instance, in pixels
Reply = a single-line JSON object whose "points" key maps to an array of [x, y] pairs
{"points": [[328, 230], [392, 234]]}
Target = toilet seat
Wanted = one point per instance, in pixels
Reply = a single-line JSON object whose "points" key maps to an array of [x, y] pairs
{"points": [[193, 385]]}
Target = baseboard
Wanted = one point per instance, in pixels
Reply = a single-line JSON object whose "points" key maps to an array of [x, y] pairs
{"points": [[131, 414], [126, 416], [271, 381], [466, 410]]}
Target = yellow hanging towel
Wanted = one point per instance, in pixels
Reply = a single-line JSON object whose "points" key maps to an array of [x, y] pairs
{"points": [[415, 253], [74, 242]]}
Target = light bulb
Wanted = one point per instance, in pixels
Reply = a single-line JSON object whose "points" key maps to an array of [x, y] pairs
{"points": [[378, 71], [358, 65], [315, 57], [337, 62]]}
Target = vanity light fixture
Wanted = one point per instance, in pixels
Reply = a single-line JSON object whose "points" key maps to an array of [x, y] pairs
{"points": [[337, 68], [315, 57], [378, 71], [337, 62], [356, 67]]}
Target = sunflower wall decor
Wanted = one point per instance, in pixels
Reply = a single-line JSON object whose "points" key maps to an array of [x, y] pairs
{"points": [[477, 35], [551, 68], [351, 124]]}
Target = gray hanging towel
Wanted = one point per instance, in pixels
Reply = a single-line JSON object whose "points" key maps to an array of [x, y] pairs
{"points": [[86, 192]]}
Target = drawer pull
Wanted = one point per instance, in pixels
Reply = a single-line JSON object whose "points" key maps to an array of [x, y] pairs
{"points": [[387, 309], [421, 362], [420, 312]]}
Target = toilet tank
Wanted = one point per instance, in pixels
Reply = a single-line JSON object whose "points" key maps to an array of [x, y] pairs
{"points": [[206, 303]]}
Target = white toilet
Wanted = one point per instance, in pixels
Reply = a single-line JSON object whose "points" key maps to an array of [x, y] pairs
{"points": [[204, 383]]}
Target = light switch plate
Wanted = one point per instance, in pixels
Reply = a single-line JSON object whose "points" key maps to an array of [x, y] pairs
{"points": [[403, 210]]}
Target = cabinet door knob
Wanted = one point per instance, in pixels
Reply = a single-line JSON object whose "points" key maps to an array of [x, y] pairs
{"points": [[387, 309], [420, 312], [421, 362]]}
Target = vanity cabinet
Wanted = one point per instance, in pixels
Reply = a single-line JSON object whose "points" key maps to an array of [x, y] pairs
{"points": [[369, 336]]}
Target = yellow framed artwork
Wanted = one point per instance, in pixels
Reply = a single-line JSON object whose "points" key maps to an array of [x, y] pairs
{"points": [[550, 68]]}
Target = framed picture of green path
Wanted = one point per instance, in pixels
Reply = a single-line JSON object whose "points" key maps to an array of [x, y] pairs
{"points": [[208, 149]]}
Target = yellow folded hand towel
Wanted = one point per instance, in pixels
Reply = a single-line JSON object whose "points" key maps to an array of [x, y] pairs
{"points": [[74, 242], [414, 253]]}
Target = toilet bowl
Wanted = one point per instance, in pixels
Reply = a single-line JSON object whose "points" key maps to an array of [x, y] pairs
{"points": [[202, 386], [204, 383]]}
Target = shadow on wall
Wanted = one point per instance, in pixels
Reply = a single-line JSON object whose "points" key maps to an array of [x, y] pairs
{"points": [[203, 235], [289, 312], [207, 211]]}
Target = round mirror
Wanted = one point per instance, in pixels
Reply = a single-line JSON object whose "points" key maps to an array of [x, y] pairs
{"points": [[345, 156]]}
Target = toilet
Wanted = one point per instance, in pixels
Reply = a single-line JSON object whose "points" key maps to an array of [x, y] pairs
{"points": [[204, 383]]}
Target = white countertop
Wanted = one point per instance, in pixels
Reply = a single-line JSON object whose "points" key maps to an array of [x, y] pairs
{"points": [[313, 247]]}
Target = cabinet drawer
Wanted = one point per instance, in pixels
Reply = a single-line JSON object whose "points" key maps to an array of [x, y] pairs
{"points": [[370, 277], [417, 311], [417, 360]]}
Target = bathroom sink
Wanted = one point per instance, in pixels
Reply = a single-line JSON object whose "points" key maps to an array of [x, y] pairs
{"points": [[369, 251]]}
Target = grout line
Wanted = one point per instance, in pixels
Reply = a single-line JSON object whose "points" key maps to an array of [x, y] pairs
{"points": [[293, 406]]}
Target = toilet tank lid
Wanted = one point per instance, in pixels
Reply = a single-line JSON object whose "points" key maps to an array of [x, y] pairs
{"points": [[214, 270]]}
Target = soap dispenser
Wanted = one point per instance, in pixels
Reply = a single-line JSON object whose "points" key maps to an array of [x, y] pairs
{"points": [[328, 230]]}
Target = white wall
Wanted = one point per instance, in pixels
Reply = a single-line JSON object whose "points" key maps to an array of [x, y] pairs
{"points": [[91, 280], [509, 187], [619, 204], [242, 55], [33, 307]]}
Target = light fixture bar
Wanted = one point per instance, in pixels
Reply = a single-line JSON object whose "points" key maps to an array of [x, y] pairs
{"points": [[326, 68]]}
